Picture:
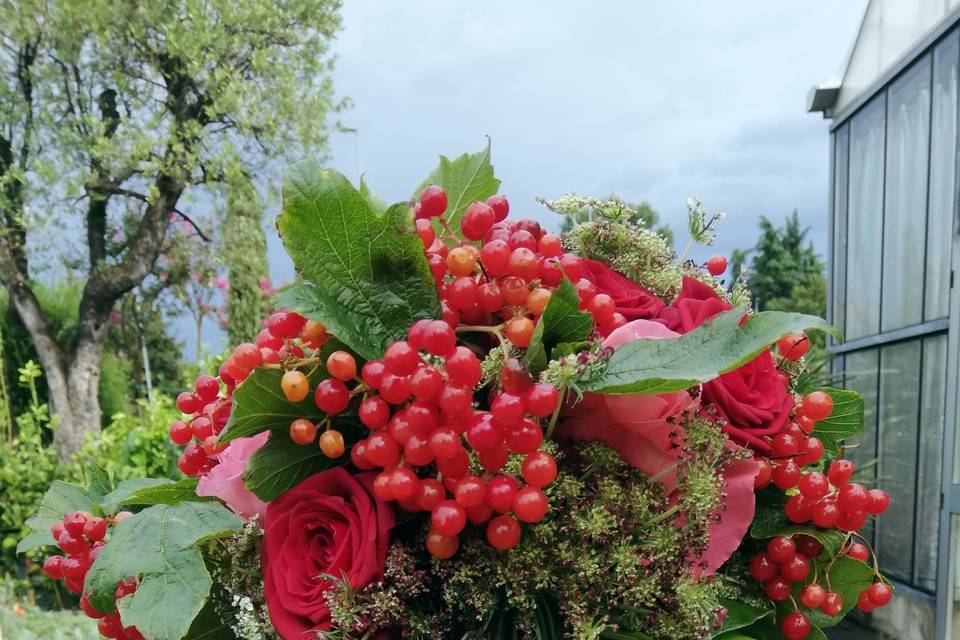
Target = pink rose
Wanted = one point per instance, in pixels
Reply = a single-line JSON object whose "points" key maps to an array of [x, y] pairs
{"points": [[225, 481]]}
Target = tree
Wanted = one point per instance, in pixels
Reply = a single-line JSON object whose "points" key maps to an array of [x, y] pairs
{"points": [[782, 260], [110, 113], [245, 256], [644, 214]]}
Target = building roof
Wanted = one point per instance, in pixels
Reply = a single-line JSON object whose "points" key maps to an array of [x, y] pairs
{"points": [[889, 31]]}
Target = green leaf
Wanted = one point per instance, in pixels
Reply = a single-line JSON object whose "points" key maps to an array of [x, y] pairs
{"points": [[371, 275], [60, 499], [208, 626], [112, 501], [99, 481], [159, 545], [741, 614], [770, 521], [167, 493], [845, 421], [847, 576], [281, 463], [259, 404], [710, 350], [376, 203], [562, 322], [547, 624], [465, 179]]}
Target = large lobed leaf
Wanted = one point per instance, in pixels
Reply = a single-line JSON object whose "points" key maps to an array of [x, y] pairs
{"points": [[60, 499], [370, 274], [159, 545], [466, 179], [716, 347], [562, 322]]}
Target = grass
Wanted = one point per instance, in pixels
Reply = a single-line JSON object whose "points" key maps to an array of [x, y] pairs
{"points": [[18, 622]]}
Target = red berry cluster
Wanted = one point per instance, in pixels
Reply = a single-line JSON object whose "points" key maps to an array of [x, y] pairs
{"points": [[80, 536], [207, 408], [510, 276], [831, 500], [793, 447], [787, 561]]}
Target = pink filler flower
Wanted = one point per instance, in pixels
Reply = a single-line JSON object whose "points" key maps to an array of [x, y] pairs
{"points": [[225, 481], [639, 428]]}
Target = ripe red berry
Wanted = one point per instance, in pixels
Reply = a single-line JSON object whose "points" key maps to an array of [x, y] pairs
{"points": [[403, 483], [795, 569], [786, 475], [342, 366], [455, 400], [433, 201], [331, 396], [864, 603], [798, 509], [302, 431], [492, 460], [853, 497], [247, 356], [832, 603], [430, 493], [539, 469], [602, 307], [817, 405], [795, 626], [463, 293], [780, 549], [95, 529], [507, 409], [372, 373], [180, 432], [808, 546], [439, 338], [188, 402], [395, 389], [503, 532], [525, 438], [784, 445], [74, 522], [477, 220], [53, 567], [762, 568], [445, 443], [812, 596], [777, 589], [793, 346], [470, 491], [763, 474], [811, 451], [839, 472], [523, 264], [495, 257], [456, 466], [814, 485], [207, 388], [381, 449], [448, 518], [879, 594], [500, 206], [400, 358], [374, 412], [542, 399], [530, 504], [825, 514], [519, 331], [482, 433], [463, 367], [501, 492], [716, 265], [878, 502]]}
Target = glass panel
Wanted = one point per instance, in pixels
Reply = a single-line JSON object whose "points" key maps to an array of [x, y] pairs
{"points": [[905, 200], [897, 450], [942, 162], [864, 228], [841, 140], [932, 406], [861, 376]]}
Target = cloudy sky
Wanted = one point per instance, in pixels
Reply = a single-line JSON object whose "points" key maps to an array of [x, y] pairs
{"points": [[651, 101]]}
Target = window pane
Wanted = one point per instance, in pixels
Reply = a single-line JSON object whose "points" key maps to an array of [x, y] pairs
{"points": [[905, 202], [942, 173], [841, 154], [861, 376], [899, 404], [932, 406], [864, 228]]}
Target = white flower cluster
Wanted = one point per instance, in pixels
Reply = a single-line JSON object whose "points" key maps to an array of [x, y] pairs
{"points": [[248, 625]]}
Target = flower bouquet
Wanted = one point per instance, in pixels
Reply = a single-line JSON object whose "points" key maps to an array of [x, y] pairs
{"points": [[458, 425]]}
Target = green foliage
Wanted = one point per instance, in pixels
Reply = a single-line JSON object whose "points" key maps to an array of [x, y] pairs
{"points": [[244, 253], [159, 545], [371, 276], [561, 321], [466, 179], [282, 463], [259, 404], [845, 421], [133, 445], [714, 348]]}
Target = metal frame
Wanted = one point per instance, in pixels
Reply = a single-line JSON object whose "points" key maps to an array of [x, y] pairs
{"points": [[950, 492]]}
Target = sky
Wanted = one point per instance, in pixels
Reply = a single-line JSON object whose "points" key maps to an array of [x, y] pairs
{"points": [[648, 100]]}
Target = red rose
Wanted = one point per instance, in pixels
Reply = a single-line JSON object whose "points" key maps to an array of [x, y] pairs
{"points": [[329, 524], [696, 302], [631, 300], [754, 398]]}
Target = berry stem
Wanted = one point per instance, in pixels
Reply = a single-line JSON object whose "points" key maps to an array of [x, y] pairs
{"points": [[556, 413], [660, 518]]}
